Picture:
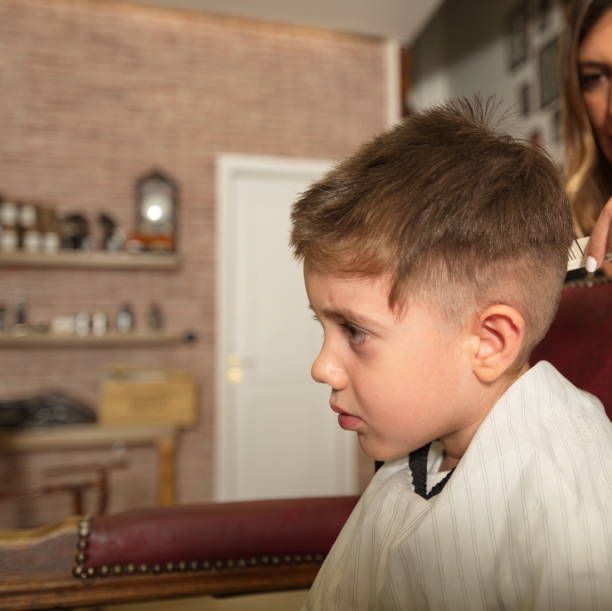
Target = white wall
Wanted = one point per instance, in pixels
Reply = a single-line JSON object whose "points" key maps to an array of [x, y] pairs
{"points": [[464, 50]]}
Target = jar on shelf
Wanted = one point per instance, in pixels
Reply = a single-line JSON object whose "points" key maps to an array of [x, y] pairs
{"points": [[125, 319], [28, 222], [9, 236]]}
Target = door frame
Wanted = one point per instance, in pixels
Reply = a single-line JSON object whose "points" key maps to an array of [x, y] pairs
{"points": [[227, 166]]}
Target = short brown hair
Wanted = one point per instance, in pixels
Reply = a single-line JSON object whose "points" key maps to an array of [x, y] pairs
{"points": [[446, 207]]}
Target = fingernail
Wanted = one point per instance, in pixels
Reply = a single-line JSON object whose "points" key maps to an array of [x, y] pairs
{"points": [[591, 264]]}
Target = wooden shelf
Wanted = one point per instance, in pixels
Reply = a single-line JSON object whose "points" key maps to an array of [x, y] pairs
{"points": [[110, 340], [91, 259], [80, 436]]}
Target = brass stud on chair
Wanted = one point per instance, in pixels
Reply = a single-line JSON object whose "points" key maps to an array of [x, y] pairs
{"points": [[182, 565], [265, 560], [143, 568], [156, 568], [193, 565], [241, 563], [104, 570], [83, 532], [117, 569], [85, 526], [130, 569], [169, 567]]}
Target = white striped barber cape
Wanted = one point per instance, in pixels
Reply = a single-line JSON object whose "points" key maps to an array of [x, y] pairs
{"points": [[525, 521]]}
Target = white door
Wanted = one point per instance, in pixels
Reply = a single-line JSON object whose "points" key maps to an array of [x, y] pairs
{"points": [[276, 436]]}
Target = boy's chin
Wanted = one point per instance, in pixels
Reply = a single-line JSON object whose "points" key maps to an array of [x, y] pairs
{"points": [[378, 453]]}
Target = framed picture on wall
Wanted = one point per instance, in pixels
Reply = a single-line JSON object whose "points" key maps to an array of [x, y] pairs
{"points": [[548, 67], [557, 127], [517, 36], [541, 12], [524, 99]]}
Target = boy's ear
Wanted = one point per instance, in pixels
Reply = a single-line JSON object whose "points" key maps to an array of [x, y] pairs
{"points": [[498, 334]]}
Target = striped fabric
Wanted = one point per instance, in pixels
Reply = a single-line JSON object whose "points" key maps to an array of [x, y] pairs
{"points": [[525, 521]]}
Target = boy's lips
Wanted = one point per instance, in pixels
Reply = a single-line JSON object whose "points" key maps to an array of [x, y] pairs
{"points": [[346, 421]]}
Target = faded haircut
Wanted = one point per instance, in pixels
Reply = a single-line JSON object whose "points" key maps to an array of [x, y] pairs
{"points": [[449, 210]]}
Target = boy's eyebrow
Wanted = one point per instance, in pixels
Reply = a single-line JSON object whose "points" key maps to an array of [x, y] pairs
{"points": [[348, 315]]}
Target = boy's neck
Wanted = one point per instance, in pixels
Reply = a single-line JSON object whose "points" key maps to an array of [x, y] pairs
{"points": [[457, 442]]}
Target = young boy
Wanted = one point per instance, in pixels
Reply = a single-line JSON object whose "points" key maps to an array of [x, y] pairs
{"points": [[434, 260]]}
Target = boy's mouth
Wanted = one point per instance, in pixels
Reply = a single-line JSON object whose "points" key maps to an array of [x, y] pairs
{"points": [[345, 420]]}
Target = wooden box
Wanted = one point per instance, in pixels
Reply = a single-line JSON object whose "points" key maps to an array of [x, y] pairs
{"points": [[148, 396]]}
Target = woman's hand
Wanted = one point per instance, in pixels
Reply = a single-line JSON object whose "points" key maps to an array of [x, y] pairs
{"points": [[601, 241]]}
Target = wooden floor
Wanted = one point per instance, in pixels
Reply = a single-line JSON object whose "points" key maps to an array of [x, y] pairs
{"points": [[278, 601]]}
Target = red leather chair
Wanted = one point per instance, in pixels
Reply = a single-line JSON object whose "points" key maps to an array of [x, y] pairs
{"points": [[235, 548], [579, 342], [216, 549]]}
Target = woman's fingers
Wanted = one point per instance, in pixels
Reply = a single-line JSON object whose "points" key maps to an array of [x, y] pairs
{"points": [[601, 239]]}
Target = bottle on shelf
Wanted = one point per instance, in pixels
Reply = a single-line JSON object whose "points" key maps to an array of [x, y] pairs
{"points": [[50, 230], [9, 235], [155, 318], [20, 326], [125, 319], [3, 317], [82, 323], [99, 324], [28, 222]]}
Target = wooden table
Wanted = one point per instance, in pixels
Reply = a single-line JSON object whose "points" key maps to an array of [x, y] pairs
{"points": [[95, 436]]}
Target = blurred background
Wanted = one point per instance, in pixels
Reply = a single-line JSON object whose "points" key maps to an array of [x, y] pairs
{"points": [[155, 343]]}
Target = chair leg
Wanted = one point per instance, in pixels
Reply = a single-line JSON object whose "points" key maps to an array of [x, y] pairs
{"points": [[103, 492], [77, 500]]}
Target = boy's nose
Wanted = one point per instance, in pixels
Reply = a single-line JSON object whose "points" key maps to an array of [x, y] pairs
{"points": [[326, 370]]}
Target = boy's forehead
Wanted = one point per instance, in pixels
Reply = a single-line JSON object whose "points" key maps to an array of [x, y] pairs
{"points": [[331, 291], [343, 295], [365, 303], [336, 285]]}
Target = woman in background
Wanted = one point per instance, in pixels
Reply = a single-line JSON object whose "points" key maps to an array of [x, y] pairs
{"points": [[588, 126]]}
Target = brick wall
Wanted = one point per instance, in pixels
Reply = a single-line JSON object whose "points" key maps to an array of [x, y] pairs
{"points": [[95, 94]]}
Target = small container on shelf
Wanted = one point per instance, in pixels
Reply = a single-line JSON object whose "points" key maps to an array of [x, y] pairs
{"points": [[20, 326], [49, 229], [155, 317], [99, 324], [9, 233], [125, 319], [29, 227], [62, 325], [82, 323], [3, 318]]}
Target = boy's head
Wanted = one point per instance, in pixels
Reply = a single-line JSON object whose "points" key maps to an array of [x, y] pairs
{"points": [[433, 257], [452, 212]]}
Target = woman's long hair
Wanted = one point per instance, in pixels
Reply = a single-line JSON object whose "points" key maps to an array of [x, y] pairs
{"points": [[589, 175]]}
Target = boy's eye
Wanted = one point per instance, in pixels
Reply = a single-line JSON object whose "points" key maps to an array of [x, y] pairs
{"points": [[355, 334]]}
